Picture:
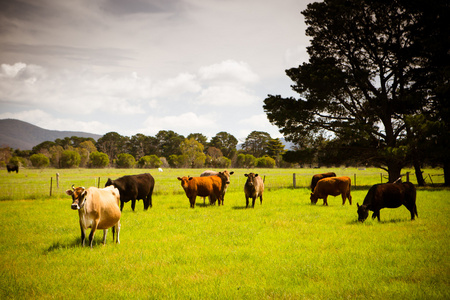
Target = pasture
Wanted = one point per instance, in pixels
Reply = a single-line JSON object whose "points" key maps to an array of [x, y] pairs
{"points": [[283, 249]]}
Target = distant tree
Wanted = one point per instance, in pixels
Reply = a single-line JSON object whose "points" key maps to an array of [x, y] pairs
{"points": [[275, 149], [112, 144], [225, 142], [168, 143], [176, 161], [39, 160], [140, 145], [43, 146], [256, 143], [150, 161], [125, 160], [70, 159], [245, 161], [55, 152], [199, 138], [193, 152], [98, 160], [5, 155]]}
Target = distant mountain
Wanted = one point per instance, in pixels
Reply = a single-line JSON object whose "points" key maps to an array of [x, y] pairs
{"points": [[24, 136]]}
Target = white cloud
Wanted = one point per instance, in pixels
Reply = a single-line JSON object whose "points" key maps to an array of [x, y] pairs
{"points": [[228, 71], [227, 95], [174, 87]]}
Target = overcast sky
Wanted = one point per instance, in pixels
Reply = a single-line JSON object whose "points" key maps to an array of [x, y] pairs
{"points": [[141, 66]]}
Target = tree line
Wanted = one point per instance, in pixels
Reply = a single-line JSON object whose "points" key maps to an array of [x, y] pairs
{"points": [[166, 149]]}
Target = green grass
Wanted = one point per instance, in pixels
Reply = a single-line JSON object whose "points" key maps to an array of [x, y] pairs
{"points": [[282, 249]]}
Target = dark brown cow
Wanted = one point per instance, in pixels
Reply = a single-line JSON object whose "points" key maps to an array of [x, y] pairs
{"points": [[97, 209], [214, 173], [211, 186], [390, 195], [12, 168], [333, 186], [253, 188], [134, 187], [317, 177]]}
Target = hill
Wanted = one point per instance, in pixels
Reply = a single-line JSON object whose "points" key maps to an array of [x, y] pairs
{"points": [[24, 136]]}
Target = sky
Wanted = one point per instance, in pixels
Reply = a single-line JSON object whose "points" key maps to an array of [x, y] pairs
{"points": [[141, 66]]}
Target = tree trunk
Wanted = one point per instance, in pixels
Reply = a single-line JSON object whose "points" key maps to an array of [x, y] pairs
{"points": [[394, 171], [419, 175]]}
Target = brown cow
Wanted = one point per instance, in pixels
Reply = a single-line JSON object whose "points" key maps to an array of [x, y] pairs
{"points": [[253, 188], [318, 177], [214, 173], [97, 209], [211, 186], [333, 186]]}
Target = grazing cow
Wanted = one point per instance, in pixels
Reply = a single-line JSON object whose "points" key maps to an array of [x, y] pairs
{"points": [[390, 195], [253, 188], [214, 173], [12, 168], [97, 209], [333, 186], [211, 186], [134, 187], [317, 177]]}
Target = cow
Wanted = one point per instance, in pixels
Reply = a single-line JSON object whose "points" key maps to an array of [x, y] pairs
{"points": [[389, 195], [253, 188], [333, 186], [97, 209], [214, 173], [12, 168], [211, 186], [134, 187], [317, 177]]}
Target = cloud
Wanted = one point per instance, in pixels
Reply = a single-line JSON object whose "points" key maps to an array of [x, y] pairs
{"points": [[227, 95], [174, 87], [228, 71]]}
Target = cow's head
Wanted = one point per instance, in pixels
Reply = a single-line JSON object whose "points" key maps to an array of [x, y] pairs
{"points": [[109, 182], [363, 212], [185, 181], [225, 176], [251, 179], [78, 197], [313, 198]]}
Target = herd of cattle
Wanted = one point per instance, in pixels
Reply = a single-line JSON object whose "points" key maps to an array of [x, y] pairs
{"points": [[101, 208]]}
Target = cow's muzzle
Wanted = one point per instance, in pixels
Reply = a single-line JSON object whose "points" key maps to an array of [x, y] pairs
{"points": [[74, 206]]}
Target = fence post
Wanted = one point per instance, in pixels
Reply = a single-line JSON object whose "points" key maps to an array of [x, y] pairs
{"points": [[293, 180], [51, 183], [381, 177], [407, 176], [98, 183], [57, 180], [355, 180]]}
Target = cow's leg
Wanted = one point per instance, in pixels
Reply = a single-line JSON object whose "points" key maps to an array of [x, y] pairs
{"points": [[133, 204], [91, 235], [376, 214], [83, 234], [412, 210], [150, 198], [192, 201], [253, 202], [349, 196], [343, 198], [260, 199], [325, 202], [246, 201], [121, 205], [105, 232]]}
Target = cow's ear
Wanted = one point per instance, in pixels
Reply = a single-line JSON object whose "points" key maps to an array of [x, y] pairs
{"points": [[190, 178], [179, 178], [84, 193], [357, 205], [69, 192], [256, 175], [232, 172], [246, 175]]}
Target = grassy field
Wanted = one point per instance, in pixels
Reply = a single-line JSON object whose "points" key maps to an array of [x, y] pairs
{"points": [[282, 249]]}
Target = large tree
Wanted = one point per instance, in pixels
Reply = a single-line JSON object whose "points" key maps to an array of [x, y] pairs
{"points": [[226, 142], [358, 86], [256, 143]]}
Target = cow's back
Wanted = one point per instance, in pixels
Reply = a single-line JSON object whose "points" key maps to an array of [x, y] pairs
{"points": [[332, 186]]}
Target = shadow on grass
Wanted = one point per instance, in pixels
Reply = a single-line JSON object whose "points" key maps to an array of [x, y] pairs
{"points": [[239, 207], [375, 221], [76, 243]]}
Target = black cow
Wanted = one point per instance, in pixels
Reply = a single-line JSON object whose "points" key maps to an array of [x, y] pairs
{"points": [[317, 177], [134, 187], [390, 195], [12, 168]]}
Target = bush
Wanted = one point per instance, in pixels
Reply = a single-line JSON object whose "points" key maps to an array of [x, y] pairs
{"points": [[70, 159], [150, 161], [125, 160], [245, 161], [39, 160], [265, 162], [98, 160]]}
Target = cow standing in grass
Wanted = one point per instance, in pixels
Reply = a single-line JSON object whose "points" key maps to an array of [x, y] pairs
{"points": [[97, 209], [333, 186], [134, 187], [211, 186], [253, 188], [389, 195], [214, 173]]}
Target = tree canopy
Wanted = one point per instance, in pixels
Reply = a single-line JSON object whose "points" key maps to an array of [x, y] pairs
{"points": [[361, 81]]}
